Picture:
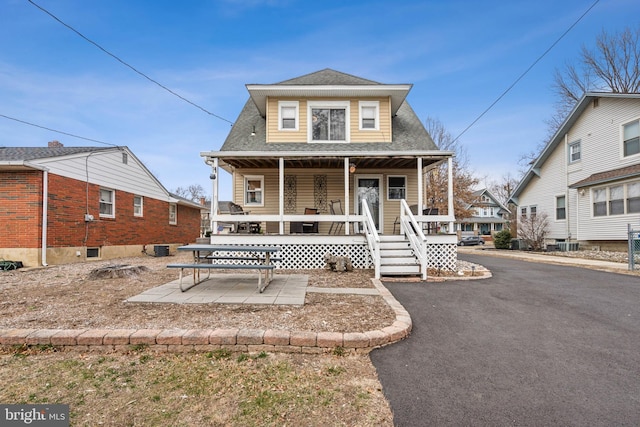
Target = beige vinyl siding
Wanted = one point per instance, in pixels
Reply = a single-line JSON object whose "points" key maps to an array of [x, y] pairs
{"points": [[305, 197], [356, 135]]}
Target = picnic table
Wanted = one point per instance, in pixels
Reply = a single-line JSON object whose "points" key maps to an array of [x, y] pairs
{"points": [[232, 257]]}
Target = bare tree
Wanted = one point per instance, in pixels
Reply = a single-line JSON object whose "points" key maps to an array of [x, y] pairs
{"points": [[612, 66], [533, 229], [437, 178], [193, 192]]}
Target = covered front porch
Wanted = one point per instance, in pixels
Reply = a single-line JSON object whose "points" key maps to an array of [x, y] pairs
{"points": [[377, 196]]}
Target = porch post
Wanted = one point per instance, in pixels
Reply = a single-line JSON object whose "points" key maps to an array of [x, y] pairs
{"points": [[420, 187], [281, 194], [347, 203], [450, 195], [214, 196]]}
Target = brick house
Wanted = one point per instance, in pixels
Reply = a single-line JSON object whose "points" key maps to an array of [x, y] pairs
{"points": [[69, 204]]}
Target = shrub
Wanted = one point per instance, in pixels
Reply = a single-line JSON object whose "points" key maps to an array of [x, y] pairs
{"points": [[502, 239]]}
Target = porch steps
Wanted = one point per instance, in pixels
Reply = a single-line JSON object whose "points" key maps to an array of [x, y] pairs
{"points": [[396, 257]]}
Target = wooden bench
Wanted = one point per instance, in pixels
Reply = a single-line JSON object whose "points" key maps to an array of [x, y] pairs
{"points": [[268, 270], [238, 258]]}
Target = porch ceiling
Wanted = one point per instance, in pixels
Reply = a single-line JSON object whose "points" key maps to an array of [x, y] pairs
{"points": [[387, 162]]}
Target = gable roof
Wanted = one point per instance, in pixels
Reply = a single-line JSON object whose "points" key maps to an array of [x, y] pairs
{"points": [[479, 193], [558, 137], [14, 154], [248, 134]]}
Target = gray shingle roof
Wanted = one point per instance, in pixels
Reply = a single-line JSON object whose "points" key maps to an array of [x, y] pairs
{"points": [[408, 134], [33, 153]]}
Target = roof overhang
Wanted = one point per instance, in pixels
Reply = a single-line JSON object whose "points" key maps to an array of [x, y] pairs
{"points": [[229, 160], [259, 93], [15, 165]]}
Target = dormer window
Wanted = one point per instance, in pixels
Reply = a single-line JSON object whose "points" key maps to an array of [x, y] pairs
{"points": [[288, 115], [369, 115], [328, 121]]}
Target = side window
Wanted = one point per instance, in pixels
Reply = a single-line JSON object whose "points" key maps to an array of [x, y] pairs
{"points": [[616, 200], [173, 213], [288, 115], [253, 190], [561, 207], [107, 203], [631, 138], [396, 187], [633, 197], [534, 211], [369, 115], [137, 205], [574, 152], [523, 212]]}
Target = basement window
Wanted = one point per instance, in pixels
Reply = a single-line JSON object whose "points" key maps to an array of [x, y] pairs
{"points": [[93, 252]]}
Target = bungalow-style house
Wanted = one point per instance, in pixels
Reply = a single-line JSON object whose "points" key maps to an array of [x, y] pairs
{"points": [[70, 204], [587, 178], [349, 151], [489, 215]]}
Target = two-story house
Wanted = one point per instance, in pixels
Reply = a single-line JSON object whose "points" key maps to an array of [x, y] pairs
{"points": [[587, 178], [348, 150], [61, 205], [489, 215]]}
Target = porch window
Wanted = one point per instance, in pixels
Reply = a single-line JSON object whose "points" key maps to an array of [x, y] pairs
{"points": [[561, 208], [253, 188], [616, 200], [574, 152], [631, 138], [173, 213], [137, 205], [328, 121], [600, 202], [288, 111], [369, 115], [107, 203], [396, 187], [633, 197]]}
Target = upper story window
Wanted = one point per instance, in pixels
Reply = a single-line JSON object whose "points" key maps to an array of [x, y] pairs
{"points": [[561, 207], [137, 205], [396, 187], [253, 190], [107, 203], [288, 115], [173, 213], [631, 138], [369, 115], [329, 121], [574, 152]]}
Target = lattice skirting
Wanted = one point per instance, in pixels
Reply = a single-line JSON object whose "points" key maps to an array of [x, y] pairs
{"points": [[444, 256], [311, 256]]}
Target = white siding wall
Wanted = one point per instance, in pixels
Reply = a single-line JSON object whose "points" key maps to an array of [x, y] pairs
{"points": [[108, 170], [599, 130]]}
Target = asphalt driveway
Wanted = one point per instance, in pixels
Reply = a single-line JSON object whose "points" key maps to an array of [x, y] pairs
{"points": [[535, 345]]}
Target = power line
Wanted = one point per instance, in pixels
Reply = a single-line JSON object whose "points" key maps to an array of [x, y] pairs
{"points": [[526, 71], [127, 65], [57, 131]]}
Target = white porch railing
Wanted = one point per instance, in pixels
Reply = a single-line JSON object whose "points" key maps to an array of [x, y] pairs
{"points": [[373, 238], [282, 219], [417, 240]]}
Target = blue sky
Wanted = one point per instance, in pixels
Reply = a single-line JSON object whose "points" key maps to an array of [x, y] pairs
{"points": [[459, 55]]}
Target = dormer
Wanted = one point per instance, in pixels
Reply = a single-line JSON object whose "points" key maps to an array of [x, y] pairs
{"points": [[328, 113]]}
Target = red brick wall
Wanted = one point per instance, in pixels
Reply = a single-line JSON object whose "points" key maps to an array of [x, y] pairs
{"points": [[69, 199], [20, 209]]}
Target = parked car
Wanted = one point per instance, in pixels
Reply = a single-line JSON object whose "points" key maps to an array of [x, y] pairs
{"points": [[471, 241]]}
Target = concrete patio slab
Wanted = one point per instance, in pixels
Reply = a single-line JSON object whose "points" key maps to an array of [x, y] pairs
{"points": [[285, 289]]}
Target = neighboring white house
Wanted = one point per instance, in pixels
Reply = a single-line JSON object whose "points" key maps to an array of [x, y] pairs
{"points": [[489, 215], [587, 178]]}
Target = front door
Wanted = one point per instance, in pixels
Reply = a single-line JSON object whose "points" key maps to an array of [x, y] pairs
{"points": [[368, 188]]}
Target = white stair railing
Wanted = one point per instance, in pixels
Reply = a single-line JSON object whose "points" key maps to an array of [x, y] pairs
{"points": [[373, 238], [417, 240]]}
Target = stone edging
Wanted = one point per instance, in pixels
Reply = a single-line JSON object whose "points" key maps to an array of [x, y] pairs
{"points": [[239, 340]]}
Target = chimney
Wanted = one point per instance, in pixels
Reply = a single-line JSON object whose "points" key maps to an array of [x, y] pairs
{"points": [[55, 144], [203, 201]]}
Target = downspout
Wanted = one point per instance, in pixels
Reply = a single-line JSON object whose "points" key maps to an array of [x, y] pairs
{"points": [[45, 208], [450, 192], [566, 188]]}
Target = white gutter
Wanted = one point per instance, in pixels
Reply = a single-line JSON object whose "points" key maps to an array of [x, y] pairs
{"points": [[45, 207]]}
